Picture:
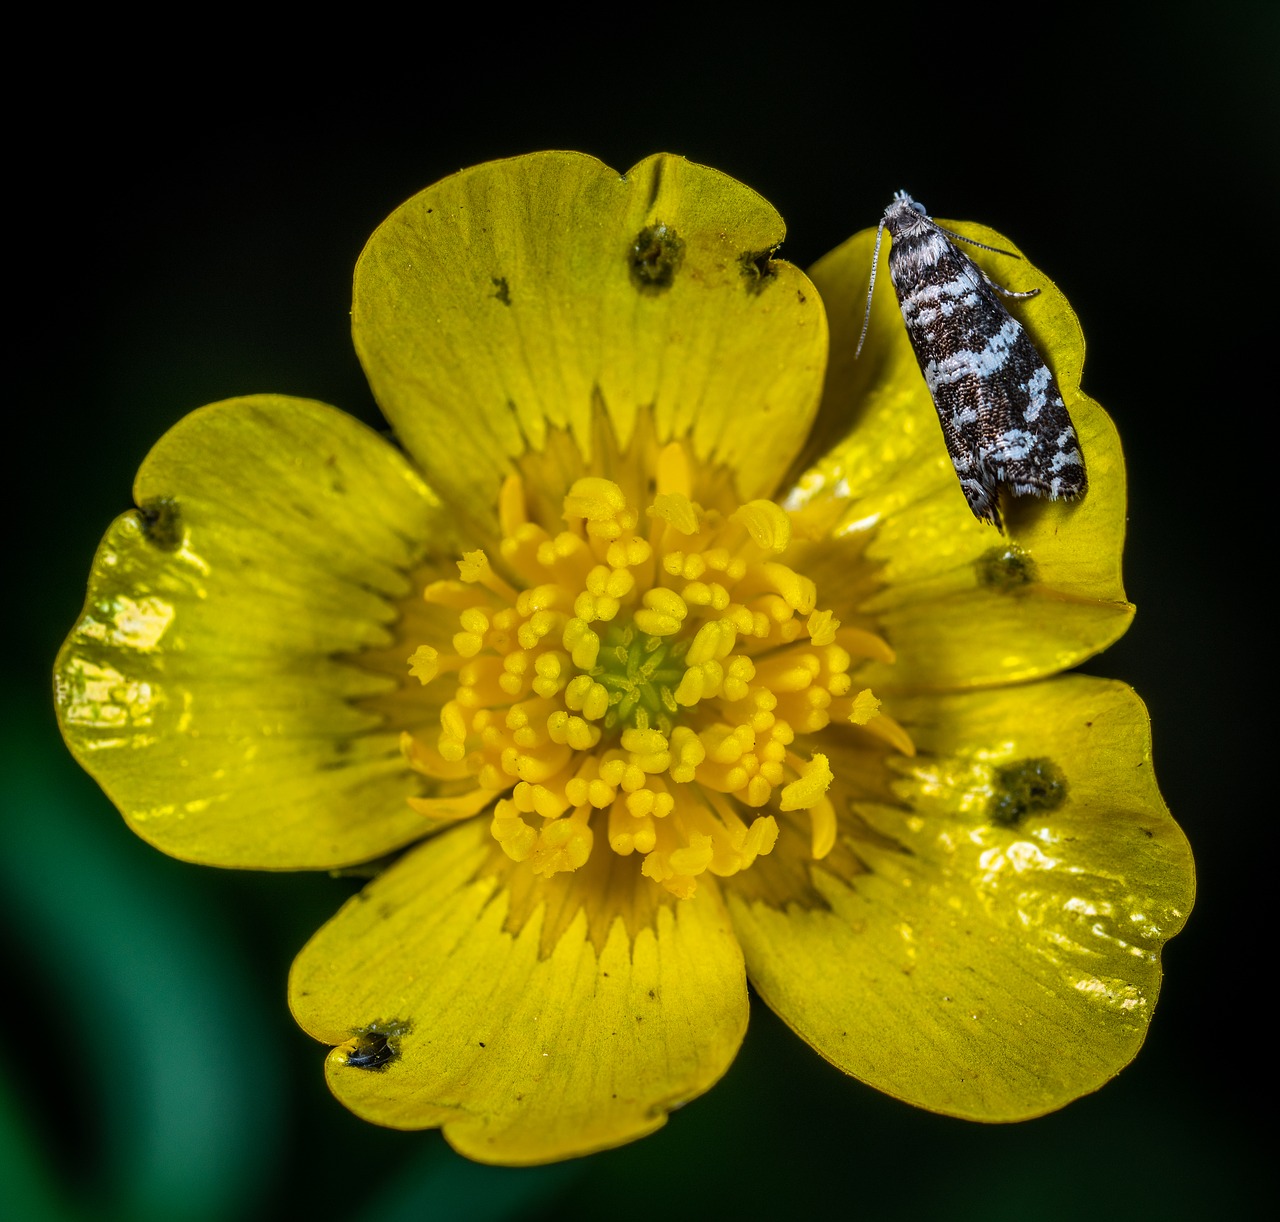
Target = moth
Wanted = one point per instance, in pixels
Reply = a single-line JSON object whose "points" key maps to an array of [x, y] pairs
{"points": [[1002, 414]]}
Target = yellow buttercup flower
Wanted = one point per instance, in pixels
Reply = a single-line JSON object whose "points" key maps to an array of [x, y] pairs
{"points": [[666, 656]]}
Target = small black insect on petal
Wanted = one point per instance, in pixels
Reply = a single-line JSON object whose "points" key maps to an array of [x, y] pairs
{"points": [[161, 521], [758, 269], [1006, 568], [376, 1045], [1026, 787], [656, 255]]}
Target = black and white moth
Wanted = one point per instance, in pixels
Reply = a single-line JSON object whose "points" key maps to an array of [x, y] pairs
{"points": [[1002, 414]]}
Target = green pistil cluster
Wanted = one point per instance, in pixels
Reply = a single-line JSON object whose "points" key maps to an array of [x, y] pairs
{"points": [[641, 674]]}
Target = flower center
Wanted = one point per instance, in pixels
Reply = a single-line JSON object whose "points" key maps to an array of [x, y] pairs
{"points": [[641, 674], [644, 678]]}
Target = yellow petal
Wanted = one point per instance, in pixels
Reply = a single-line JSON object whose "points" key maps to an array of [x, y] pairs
{"points": [[992, 950], [961, 603], [208, 685], [532, 1025], [524, 294]]}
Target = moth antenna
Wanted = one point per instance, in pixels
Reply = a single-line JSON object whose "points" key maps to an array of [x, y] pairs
{"points": [[995, 250], [875, 263], [951, 233]]}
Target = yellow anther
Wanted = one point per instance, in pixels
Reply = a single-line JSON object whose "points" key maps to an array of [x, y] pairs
{"points": [[521, 797], [515, 836], [596, 702], [648, 749], [557, 726], [724, 745], [600, 793], [539, 800], [640, 802], [602, 505], [704, 682], [836, 659], [774, 608], [768, 524], [798, 591], [761, 837], [561, 549], [592, 608], [744, 622], [689, 565], [703, 594], [677, 511], [815, 779], [577, 788], [577, 690], [594, 498], [539, 625], [865, 707], [758, 791], [715, 639], [822, 627], [453, 732], [738, 674], [530, 738], [663, 612], [630, 832], [582, 643], [515, 667], [475, 621], [650, 802], [549, 596], [502, 627], [612, 769], [721, 560], [627, 553], [564, 844], [474, 569], [687, 752], [424, 664], [792, 672], [693, 858], [551, 669], [633, 778], [582, 736]]}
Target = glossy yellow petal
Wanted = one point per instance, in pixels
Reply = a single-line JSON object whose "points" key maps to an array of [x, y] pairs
{"points": [[525, 294], [208, 685], [532, 1022], [961, 603], [991, 949]]}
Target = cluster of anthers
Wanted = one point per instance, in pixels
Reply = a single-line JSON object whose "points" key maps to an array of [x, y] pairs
{"points": [[659, 676]]}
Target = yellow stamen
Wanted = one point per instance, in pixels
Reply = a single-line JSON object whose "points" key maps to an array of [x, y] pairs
{"points": [[660, 678]]}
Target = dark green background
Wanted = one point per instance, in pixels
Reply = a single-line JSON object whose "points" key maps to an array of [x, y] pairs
{"points": [[190, 235]]}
